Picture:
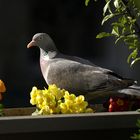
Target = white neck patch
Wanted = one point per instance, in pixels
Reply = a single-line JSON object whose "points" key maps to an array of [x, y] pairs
{"points": [[44, 55]]}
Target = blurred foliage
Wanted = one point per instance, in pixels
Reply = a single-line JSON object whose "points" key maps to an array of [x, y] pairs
{"points": [[136, 136], [124, 16], [1, 109], [137, 3]]}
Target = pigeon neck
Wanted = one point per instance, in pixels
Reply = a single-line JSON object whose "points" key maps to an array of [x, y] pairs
{"points": [[48, 55], [52, 54]]}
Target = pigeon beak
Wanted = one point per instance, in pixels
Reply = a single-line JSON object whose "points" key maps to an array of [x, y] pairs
{"points": [[31, 44]]}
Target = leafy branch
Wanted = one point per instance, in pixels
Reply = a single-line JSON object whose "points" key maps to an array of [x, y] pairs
{"points": [[124, 25]]}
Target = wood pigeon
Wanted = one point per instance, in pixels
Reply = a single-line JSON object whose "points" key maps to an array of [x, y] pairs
{"points": [[78, 75]]}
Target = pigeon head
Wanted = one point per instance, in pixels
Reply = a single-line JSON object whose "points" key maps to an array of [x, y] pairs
{"points": [[43, 41]]}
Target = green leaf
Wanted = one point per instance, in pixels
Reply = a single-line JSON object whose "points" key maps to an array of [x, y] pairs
{"points": [[130, 38], [133, 55], [138, 123], [1, 106], [115, 31], [123, 19], [117, 24], [36, 112], [125, 30], [106, 7], [134, 61], [107, 17], [118, 39], [138, 110], [1, 109], [116, 3], [103, 34], [87, 2]]}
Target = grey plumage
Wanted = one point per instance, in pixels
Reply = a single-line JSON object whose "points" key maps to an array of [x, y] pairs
{"points": [[79, 75]]}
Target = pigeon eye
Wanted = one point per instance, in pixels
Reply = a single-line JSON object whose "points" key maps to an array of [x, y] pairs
{"points": [[40, 38]]}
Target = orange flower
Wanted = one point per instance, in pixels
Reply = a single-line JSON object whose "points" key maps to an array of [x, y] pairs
{"points": [[2, 87]]}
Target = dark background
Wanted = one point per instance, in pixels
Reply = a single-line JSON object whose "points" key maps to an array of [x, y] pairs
{"points": [[73, 27]]}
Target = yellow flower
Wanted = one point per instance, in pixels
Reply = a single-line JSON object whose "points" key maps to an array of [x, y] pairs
{"points": [[89, 110], [63, 107], [55, 100], [56, 91], [79, 99], [33, 101]]}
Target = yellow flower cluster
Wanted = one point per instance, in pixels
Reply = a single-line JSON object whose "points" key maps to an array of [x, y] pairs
{"points": [[57, 101]]}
